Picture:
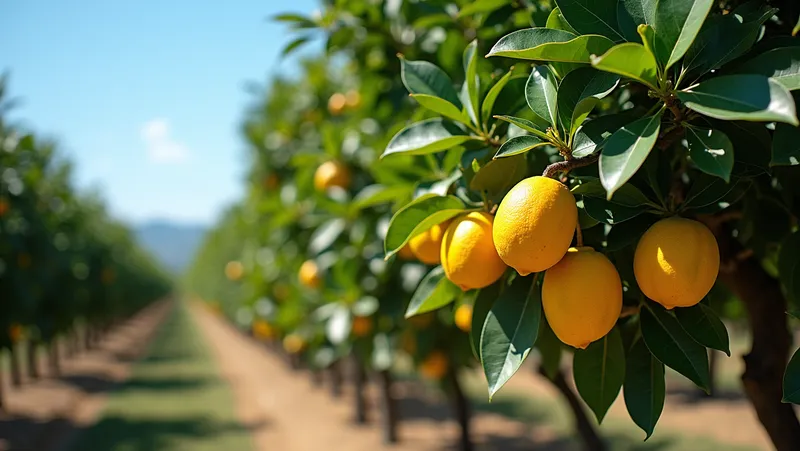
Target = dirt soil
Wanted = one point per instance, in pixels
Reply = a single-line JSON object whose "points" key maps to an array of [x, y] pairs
{"points": [[47, 414]]}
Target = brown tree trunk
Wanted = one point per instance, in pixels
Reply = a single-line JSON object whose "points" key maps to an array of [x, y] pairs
{"points": [[16, 373], [33, 364], [388, 407], [335, 372], [461, 408], [359, 379], [585, 428]]}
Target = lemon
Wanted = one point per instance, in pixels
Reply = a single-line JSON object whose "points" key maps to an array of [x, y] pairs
{"points": [[293, 343], [330, 174], [434, 366], [234, 270], [336, 103], [676, 262], [362, 325], [463, 317], [405, 253], [469, 258], [582, 297], [534, 224], [262, 330], [309, 274], [427, 245], [353, 99]]}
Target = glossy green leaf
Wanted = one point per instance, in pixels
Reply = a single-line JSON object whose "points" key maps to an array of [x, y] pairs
{"points": [[592, 17], [608, 212], [673, 346], [541, 93], [705, 327], [294, 45], [510, 331], [422, 77], [325, 235], [542, 44], [708, 190], [625, 151], [482, 6], [630, 60], [378, 194], [677, 23], [785, 146], [791, 380], [592, 135], [627, 195], [789, 267], [497, 176], [644, 388], [781, 64], [632, 13], [711, 150], [441, 106], [578, 94], [556, 21], [483, 303], [741, 97], [434, 292], [429, 136], [599, 371], [417, 217], [628, 233], [472, 82], [529, 126], [494, 93], [549, 347], [518, 145]]}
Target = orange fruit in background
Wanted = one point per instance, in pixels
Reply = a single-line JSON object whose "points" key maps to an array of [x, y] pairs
{"points": [[676, 262], [468, 255], [262, 330], [406, 253], [422, 321], [463, 317], [336, 103], [582, 297], [24, 260], [309, 274], [534, 224], [353, 99], [293, 343], [4, 207], [330, 174], [16, 332], [434, 366], [362, 326], [234, 270], [408, 342], [427, 246]]}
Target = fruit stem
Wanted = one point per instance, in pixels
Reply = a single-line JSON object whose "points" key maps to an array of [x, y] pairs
{"points": [[578, 235]]}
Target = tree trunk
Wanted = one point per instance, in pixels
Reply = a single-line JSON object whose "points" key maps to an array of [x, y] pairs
{"points": [[766, 362], [461, 408], [388, 407], [586, 430], [359, 379], [55, 363], [16, 373], [87, 338], [33, 364], [335, 371]]}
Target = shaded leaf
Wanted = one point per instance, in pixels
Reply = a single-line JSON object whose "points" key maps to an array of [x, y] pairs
{"points": [[608, 212], [518, 145], [483, 303], [526, 125], [628, 233], [632, 13], [711, 150], [497, 176], [625, 151], [494, 93], [791, 380], [434, 291], [422, 77], [549, 347], [417, 217], [644, 388], [482, 6], [785, 145], [472, 82], [789, 267], [705, 327], [556, 21], [592, 135], [541, 93], [578, 94], [592, 17], [627, 195], [599, 371]]}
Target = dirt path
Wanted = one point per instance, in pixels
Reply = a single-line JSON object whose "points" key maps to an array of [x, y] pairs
{"points": [[45, 415]]}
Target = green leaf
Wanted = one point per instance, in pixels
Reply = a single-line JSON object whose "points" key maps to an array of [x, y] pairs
{"points": [[429, 136], [294, 45], [608, 212], [707, 190], [627, 195], [441, 106], [525, 125], [785, 146], [518, 145], [789, 267], [497, 176], [578, 94], [644, 388], [482, 6], [628, 233], [677, 23], [711, 150], [433, 20], [494, 93], [325, 235], [632, 13], [434, 291], [599, 371], [549, 347], [541, 92], [744, 97], [791, 380], [480, 309], [422, 77], [378, 194], [781, 64], [542, 44], [417, 217], [626, 150], [295, 19], [672, 346], [510, 331], [592, 135], [630, 60], [472, 81], [592, 17], [705, 327], [556, 21]]}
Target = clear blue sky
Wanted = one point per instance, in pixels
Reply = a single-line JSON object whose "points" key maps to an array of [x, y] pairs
{"points": [[145, 96]]}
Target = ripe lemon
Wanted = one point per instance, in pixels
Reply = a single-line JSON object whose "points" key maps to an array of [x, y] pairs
{"points": [[463, 317], [234, 270], [468, 256], [676, 262], [293, 343], [362, 325], [582, 297], [309, 274], [330, 174], [337, 103], [534, 224], [434, 366], [262, 330], [353, 99], [427, 245]]}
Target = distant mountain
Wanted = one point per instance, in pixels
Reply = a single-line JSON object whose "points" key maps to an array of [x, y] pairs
{"points": [[174, 245]]}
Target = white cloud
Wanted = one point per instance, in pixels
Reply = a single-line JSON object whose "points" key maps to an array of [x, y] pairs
{"points": [[161, 148]]}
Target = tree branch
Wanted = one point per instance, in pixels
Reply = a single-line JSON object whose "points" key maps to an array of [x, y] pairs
{"points": [[568, 165]]}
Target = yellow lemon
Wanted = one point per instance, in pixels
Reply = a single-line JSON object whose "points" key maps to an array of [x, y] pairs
{"points": [[330, 174], [468, 255], [234, 270], [434, 366], [353, 99], [534, 224], [582, 297], [293, 343], [362, 326], [337, 103], [262, 330], [309, 274], [427, 245], [463, 317], [676, 262], [405, 253]]}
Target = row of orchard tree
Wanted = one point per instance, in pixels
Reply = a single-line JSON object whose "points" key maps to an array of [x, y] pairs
{"points": [[66, 267], [378, 225]]}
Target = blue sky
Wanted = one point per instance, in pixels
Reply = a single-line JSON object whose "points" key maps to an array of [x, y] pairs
{"points": [[145, 97]]}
